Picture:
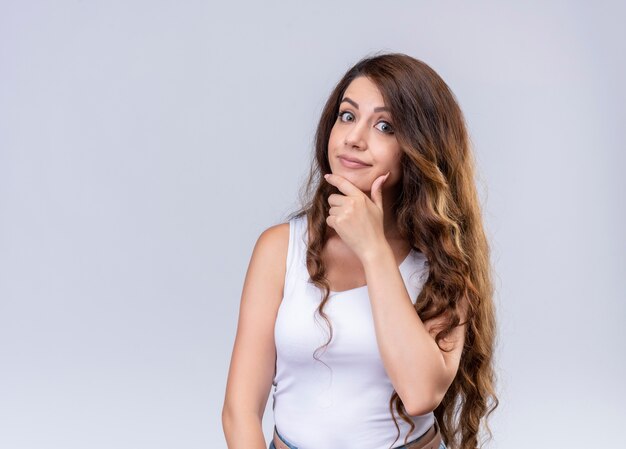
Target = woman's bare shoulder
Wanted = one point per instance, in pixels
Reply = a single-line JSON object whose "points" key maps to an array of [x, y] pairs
{"points": [[270, 252], [274, 240]]}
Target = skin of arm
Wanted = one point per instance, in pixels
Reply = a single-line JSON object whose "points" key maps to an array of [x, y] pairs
{"points": [[419, 371], [253, 361], [243, 430]]}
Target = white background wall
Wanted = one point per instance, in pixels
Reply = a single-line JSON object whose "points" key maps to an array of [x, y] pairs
{"points": [[144, 146]]}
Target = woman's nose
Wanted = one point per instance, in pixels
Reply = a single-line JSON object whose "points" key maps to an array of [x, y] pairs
{"points": [[356, 137]]}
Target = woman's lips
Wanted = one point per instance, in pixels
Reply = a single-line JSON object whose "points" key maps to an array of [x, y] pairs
{"points": [[350, 164]]}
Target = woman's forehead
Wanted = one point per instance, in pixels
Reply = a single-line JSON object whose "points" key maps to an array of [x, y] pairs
{"points": [[363, 92]]}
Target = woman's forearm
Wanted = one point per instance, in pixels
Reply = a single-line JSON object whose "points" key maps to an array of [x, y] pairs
{"points": [[243, 430], [411, 357]]}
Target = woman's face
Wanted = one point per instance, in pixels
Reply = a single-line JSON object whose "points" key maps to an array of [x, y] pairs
{"points": [[365, 132]]}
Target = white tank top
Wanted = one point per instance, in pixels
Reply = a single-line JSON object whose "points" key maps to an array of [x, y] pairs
{"points": [[346, 406]]}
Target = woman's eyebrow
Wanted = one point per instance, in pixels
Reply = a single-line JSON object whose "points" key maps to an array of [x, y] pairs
{"points": [[353, 103]]}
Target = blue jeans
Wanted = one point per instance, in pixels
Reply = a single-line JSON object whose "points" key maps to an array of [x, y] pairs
{"points": [[291, 446]]}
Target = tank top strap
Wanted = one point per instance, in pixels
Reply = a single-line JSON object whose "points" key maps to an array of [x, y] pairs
{"points": [[296, 253]]}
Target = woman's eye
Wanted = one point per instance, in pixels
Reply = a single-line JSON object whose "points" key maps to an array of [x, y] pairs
{"points": [[387, 128], [342, 114]]}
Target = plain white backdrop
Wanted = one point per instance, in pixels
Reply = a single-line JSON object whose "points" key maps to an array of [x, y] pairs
{"points": [[145, 145]]}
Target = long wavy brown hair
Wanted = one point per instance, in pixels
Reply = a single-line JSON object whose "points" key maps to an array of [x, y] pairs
{"points": [[438, 212]]}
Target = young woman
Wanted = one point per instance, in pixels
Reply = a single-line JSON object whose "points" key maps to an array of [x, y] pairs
{"points": [[389, 251]]}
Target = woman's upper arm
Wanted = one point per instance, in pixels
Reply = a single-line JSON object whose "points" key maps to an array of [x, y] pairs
{"points": [[254, 352]]}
